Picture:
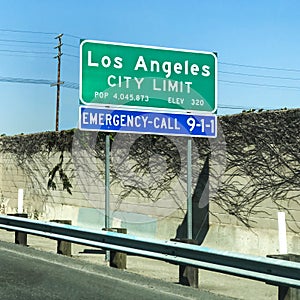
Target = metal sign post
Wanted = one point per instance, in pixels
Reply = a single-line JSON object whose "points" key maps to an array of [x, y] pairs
{"points": [[189, 190], [107, 184]]}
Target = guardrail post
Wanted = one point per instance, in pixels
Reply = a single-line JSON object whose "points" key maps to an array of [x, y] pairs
{"points": [[20, 237], [63, 247], [117, 259], [285, 292], [188, 275]]}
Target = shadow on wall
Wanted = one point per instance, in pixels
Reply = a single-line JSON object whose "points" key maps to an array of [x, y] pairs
{"points": [[143, 225], [200, 212]]}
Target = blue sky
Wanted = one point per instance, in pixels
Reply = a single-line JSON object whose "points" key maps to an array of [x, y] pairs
{"points": [[257, 43]]}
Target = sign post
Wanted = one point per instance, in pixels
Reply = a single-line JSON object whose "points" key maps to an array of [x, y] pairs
{"points": [[189, 190], [149, 90], [107, 185]]}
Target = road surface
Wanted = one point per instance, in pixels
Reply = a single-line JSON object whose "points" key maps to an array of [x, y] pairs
{"points": [[28, 273]]}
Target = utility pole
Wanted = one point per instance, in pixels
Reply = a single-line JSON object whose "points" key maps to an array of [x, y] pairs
{"points": [[58, 83]]}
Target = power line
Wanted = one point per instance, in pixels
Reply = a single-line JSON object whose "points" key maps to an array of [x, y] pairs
{"points": [[257, 75], [31, 52], [27, 31], [72, 36], [261, 84], [78, 37], [73, 46], [34, 52], [36, 42], [9, 51], [260, 67], [25, 55], [228, 106], [73, 85], [27, 42], [20, 46], [67, 84], [71, 55], [25, 80]]}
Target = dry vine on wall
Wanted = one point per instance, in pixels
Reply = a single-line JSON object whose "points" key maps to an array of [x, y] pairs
{"points": [[262, 148], [32, 153]]}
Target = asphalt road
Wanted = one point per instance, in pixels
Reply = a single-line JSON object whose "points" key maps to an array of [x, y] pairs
{"points": [[32, 274]]}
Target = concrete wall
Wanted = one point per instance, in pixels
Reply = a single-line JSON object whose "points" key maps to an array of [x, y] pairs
{"points": [[261, 179], [85, 206], [242, 212]]}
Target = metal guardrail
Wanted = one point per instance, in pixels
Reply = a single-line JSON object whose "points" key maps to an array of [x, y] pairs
{"points": [[269, 270]]}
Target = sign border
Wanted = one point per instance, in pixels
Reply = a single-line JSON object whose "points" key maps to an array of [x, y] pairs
{"points": [[214, 111], [153, 133]]}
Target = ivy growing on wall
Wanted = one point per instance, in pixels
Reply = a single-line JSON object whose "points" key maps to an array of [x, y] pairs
{"points": [[263, 148], [262, 161], [32, 152]]}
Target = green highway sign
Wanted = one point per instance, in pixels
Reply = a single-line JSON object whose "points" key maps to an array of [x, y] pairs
{"points": [[153, 78]]}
